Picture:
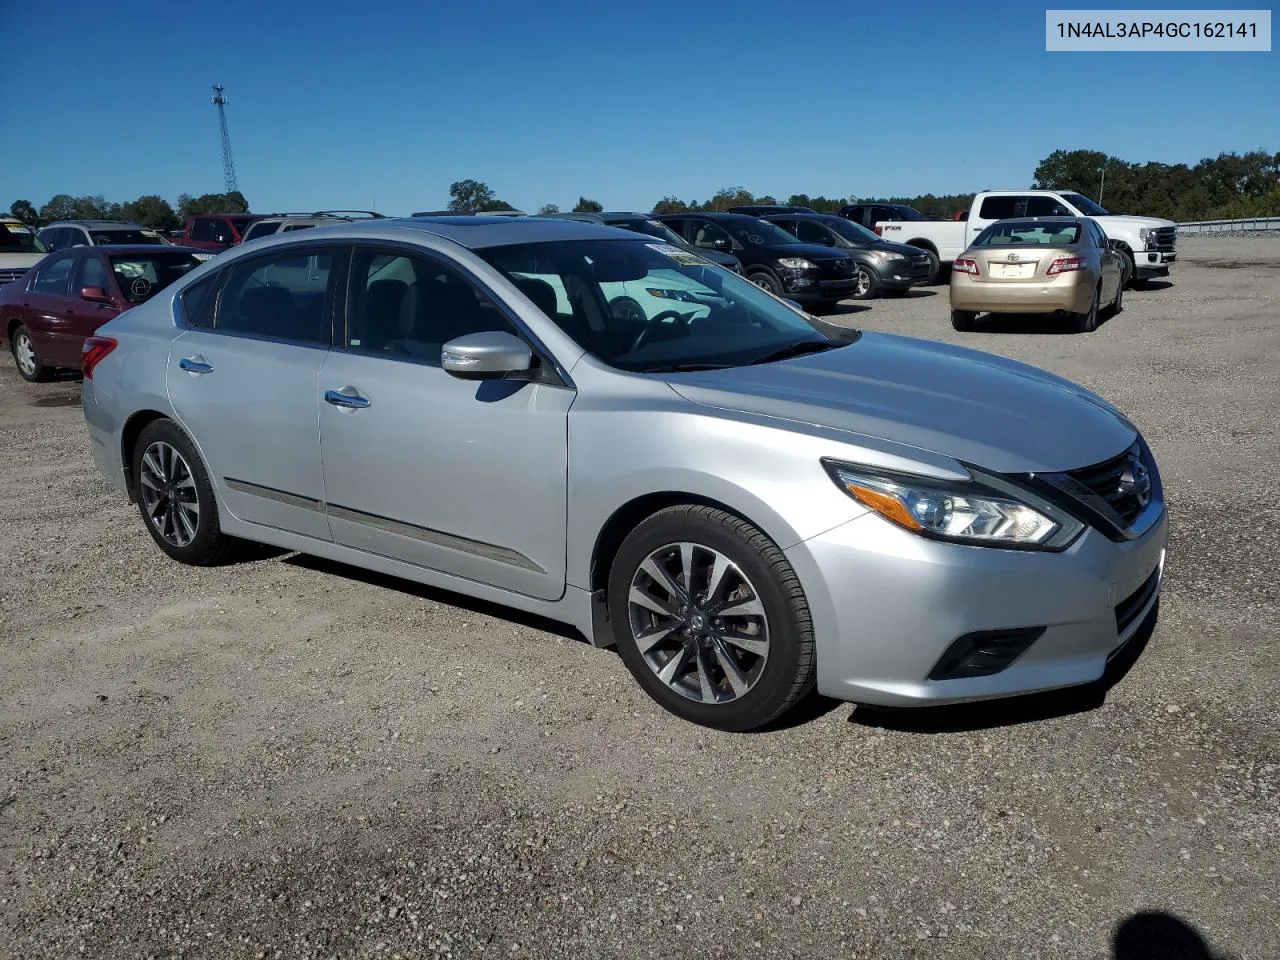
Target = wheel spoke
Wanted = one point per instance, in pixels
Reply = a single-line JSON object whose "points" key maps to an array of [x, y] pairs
{"points": [[755, 645], [729, 665], [186, 483], [184, 513], [152, 463], [686, 568], [663, 579], [677, 662], [642, 598], [650, 638], [704, 674], [715, 579], [148, 480], [747, 607]]}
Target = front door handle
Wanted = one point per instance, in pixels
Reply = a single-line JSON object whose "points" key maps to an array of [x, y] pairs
{"points": [[195, 365], [346, 397]]}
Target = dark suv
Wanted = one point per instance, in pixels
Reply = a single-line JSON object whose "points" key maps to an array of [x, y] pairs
{"points": [[771, 257], [882, 267], [765, 209], [646, 223]]}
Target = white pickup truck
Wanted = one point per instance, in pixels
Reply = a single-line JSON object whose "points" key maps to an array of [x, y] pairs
{"points": [[1149, 243]]}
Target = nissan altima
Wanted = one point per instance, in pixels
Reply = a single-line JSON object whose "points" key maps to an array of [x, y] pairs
{"points": [[745, 501]]}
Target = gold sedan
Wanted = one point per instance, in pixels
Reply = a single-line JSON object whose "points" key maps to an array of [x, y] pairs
{"points": [[1038, 265]]}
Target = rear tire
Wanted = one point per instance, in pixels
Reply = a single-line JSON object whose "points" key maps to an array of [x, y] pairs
{"points": [[963, 320], [710, 618], [1088, 322], [1117, 304], [176, 499], [26, 358]]}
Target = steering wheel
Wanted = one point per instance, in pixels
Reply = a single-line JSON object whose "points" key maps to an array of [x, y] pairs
{"points": [[643, 337]]}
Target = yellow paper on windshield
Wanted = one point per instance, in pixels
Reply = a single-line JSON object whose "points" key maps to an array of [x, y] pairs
{"points": [[682, 257], [18, 228]]}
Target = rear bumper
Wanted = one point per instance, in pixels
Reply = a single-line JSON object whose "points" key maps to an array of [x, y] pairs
{"points": [[1070, 295], [104, 440]]}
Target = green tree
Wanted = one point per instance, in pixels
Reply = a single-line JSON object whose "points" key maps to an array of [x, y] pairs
{"points": [[61, 206], [766, 200], [1080, 170], [588, 206], [548, 208], [472, 196], [730, 197], [25, 211], [150, 211], [670, 205], [233, 202]]}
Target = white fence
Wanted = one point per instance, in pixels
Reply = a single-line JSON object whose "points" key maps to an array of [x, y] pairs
{"points": [[1249, 225]]}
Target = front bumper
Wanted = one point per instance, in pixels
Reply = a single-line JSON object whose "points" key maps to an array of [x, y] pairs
{"points": [[820, 291], [1153, 263], [888, 604]]}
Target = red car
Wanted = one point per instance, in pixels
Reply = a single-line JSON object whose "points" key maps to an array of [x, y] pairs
{"points": [[46, 314]]}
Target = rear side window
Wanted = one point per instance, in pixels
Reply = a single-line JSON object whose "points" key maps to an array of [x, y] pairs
{"points": [[281, 296], [999, 208], [93, 273], [54, 277]]}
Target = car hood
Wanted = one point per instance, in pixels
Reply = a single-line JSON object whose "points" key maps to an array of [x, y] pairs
{"points": [[889, 247], [20, 261], [810, 251], [983, 409], [1134, 222]]}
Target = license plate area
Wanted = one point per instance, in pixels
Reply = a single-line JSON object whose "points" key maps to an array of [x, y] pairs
{"points": [[1012, 271]]}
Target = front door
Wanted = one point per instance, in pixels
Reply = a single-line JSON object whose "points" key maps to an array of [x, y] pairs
{"points": [[246, 386], [468, 478], [45, 305]]}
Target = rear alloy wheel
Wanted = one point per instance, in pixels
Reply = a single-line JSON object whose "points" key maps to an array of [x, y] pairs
{"points": [[710, 619], [766, 281], [176, 499], [963, 319], [1088, 322], [30, 367], [865, 282]]}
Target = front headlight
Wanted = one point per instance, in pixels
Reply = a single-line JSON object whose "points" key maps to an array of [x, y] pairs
{"points": [[796, 263], [1146, 233], [886, 255], [985, 511]]}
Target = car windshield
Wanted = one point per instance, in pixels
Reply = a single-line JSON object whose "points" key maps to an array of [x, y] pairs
{"points": [[110, 238], [1062, 234], [653, 228], [142, 276], [758, 233], [19, 238], [855, 232], [653, 307], [908, 213], [1085, 205]]}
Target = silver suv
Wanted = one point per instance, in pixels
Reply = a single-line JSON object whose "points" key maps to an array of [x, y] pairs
{"points": [[65, 234], [289, 222], [744, 500]]}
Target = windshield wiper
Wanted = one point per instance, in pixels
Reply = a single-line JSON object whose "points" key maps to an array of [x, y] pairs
{"points": [[687, 367], [797, 349]]}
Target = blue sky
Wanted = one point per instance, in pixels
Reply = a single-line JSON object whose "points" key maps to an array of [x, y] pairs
{"points": [[334, 103]]}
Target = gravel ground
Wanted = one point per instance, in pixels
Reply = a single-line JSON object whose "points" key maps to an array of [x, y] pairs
{"points": [[289, 758]]}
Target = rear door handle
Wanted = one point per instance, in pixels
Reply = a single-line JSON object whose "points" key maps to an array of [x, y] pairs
{"points": [[195, 365], [346, 397]]}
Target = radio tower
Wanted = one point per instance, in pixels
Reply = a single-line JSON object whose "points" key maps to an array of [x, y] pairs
{"points": [[228, 164]]}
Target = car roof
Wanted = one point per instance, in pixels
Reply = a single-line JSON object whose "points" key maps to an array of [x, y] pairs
{"points": [[140, 249], [98, 224], [476, 232], [710, 215]]}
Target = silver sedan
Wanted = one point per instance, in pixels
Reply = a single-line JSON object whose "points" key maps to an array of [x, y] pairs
{"points": [[605, 429]]}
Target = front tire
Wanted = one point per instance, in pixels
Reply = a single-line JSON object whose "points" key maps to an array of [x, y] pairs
{"points": [[710, 618], [935, 265], [176, 499], [866, 282], [765, 280], [26, 358]]}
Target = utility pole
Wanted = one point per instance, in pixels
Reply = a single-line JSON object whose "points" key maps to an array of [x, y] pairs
{"points": [[1103, 185], [228, 164]]}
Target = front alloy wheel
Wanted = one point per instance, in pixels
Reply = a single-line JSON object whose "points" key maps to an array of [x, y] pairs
{"points": [[25, 357], [698, 622]]}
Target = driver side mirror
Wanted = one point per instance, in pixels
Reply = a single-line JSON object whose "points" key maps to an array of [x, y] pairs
{"points": [[490, 355], [94, 295]]}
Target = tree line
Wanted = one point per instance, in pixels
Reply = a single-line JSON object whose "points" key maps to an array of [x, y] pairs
{"points": [[1228, 186]]}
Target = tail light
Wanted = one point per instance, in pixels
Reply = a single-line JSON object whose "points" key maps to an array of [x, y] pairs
{"points": [[1064, 265], [965, 265], [878, 230], [95, 351]]}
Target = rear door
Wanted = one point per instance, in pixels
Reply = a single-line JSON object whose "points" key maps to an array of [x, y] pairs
{"points": [[244, 383]]}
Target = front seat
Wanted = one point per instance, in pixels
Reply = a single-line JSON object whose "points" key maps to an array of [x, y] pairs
{"points": [[382, 303], [540, 292]]}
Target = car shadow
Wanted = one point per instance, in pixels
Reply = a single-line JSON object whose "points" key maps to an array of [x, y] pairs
{"points": [[915, 293], [1035, 324], [843, 308], [1012, 711], [434, 594], [1149, 286], [1157, 935]]}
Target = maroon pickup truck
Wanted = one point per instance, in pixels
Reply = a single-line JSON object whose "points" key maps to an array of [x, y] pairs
{"points": [[216, 231]]}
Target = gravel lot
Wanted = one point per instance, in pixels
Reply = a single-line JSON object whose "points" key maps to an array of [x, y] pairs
{"points": [[288, 758]]}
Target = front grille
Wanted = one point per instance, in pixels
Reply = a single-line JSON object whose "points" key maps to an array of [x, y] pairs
{"points": [[1118, 481], [8, 276], [842, 267], [1127, 610], [1166, 238]]}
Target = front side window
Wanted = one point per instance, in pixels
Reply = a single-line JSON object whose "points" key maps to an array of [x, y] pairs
{"points": [[809, 232], [74, 237], [408, 306], [54, 277], [281, 296], [759, 233], [650, 306], [709, 236], [141, 276]]}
